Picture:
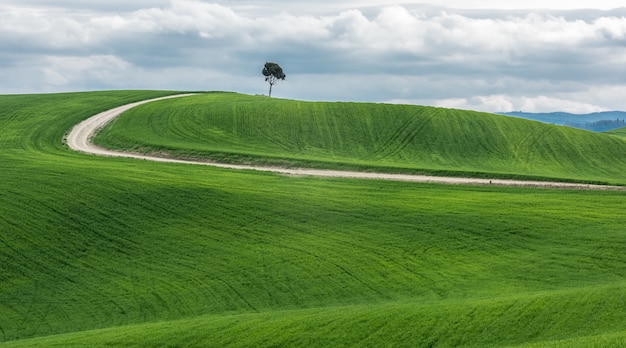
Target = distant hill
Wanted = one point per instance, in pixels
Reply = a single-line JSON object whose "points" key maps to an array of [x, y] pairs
{"points": [[597, 121]]}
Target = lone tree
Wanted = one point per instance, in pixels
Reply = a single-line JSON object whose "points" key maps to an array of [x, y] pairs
{"points": [[273, 73]]}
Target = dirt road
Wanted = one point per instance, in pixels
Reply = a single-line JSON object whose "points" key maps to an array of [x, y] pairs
{"points": [[79, 139]]}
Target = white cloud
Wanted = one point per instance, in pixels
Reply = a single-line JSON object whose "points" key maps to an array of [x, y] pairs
{"points": [[487, 60], [394, 28], [65, 71], [504, 103], [531, 4]]}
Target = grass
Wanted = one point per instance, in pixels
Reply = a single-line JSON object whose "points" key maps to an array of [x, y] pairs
{"points": [[119, 252], [620, 132], [398, 138], [374, 325]]}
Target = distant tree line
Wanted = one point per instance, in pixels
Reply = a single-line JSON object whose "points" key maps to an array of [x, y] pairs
{"points": [[598, 126]]}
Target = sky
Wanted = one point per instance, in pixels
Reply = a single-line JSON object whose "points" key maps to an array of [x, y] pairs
{"points": [[486, 55]]}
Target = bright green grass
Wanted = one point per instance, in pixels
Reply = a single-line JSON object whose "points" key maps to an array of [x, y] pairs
{"points": [[620, 131], [237, 128], [482, 323], [106, 251]]}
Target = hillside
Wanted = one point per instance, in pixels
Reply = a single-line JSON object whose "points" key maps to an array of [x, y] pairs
{"points": [[101, 251], [239, 128], [619, 131]]}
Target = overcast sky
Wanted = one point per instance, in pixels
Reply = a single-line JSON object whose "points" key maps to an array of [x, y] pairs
{"points": [[489, 55]]}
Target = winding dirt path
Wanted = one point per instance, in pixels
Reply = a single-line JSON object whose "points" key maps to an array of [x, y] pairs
{"points": [[79, 139]]}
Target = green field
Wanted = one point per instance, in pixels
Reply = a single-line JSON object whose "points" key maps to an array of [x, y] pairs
{"points": [[400, 138], [619, 131], [119, 252]]}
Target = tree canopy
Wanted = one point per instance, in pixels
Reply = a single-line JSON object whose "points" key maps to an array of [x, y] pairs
{"points": [[273, 73]]}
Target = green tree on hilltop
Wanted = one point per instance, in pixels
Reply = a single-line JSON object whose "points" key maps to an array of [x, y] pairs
{"points": [[273, 73]]}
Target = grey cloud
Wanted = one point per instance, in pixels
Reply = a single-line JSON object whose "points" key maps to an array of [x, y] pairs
{"points": [[414, 52], [92, 5]]}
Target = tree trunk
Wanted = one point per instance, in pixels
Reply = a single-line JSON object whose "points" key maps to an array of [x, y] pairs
{"points": [[270, 90]]}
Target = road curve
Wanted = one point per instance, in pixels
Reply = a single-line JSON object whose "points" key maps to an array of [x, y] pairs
{"points": [[79, 139]]}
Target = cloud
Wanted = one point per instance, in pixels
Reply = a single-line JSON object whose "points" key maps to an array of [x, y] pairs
{"points": [[86, 71], [532, 4], [506, 103], [482, 59]]}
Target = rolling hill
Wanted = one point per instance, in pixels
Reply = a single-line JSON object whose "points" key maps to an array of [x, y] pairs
{"points": [[406, 138], [619, 131], [101, 251]]}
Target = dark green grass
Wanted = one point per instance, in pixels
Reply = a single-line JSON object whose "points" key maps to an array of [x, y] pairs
{"points": [[179, 255], [398, 138]]}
